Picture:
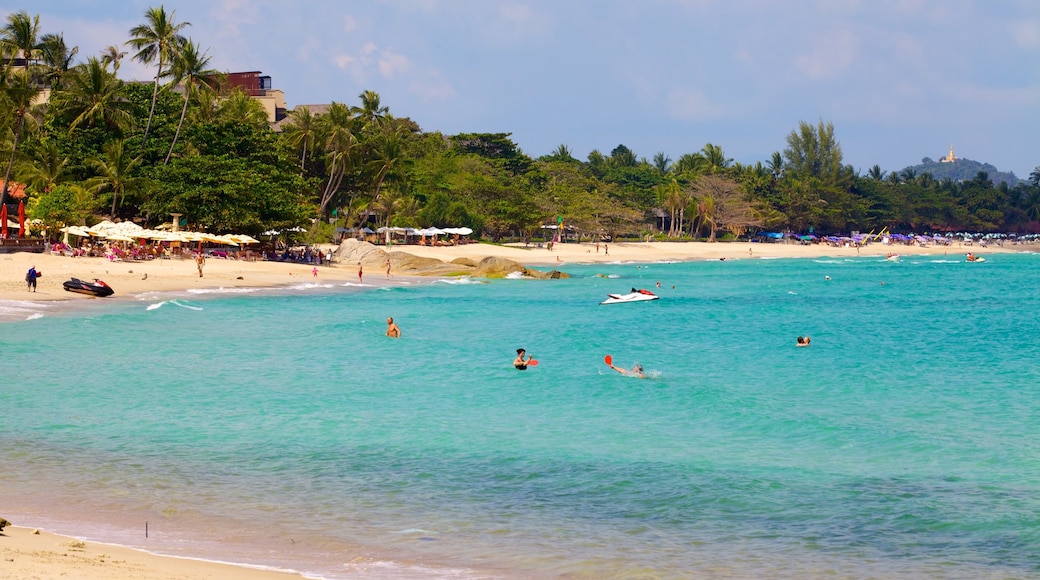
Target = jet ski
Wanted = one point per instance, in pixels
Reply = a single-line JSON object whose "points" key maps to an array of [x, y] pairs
{"points": [[95, 288], [633, 296]]}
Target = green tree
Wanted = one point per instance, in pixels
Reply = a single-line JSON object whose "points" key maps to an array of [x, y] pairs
{"points": [[156, 41], [65, 204], [189, 67], [813, 151], [95, 97], [239, 107], [300, 133], [115, 173], [111, 55], [45, 169], [57, 58], [21, 37], [18, 95]]}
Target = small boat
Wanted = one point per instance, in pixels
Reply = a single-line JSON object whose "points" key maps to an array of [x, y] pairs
{"points": [[892, 257], [633, 296], [95, 288]]}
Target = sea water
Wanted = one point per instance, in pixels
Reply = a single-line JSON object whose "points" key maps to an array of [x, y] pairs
{"points": [[283, 429]]}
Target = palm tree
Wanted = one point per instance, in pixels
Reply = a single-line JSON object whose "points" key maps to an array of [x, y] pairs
{"points": [[111, 55], [876, 173], [94, 95], [46, 169], [57, 58], [301, 131], [338, 126], [19, 93], [190, 66], [776, 165], [370, 110], [115, 173], [156, 41], [662, 162], [690, 163], [21, 36], [238, 107], [714, 157], [387, 154]]}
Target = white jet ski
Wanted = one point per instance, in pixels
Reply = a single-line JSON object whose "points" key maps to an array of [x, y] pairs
{"points": [[633, 296]]}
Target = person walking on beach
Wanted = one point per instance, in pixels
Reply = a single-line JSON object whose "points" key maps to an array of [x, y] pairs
{"points": [[388, 268], [30, 278], [606, 252], [200, 261], [360, 273], [391, 329]]}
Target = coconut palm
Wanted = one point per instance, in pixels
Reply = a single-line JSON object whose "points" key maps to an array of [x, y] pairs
{"points": [[57, 58], [115, 173], [338, 125], [111, 55], [301, 131], [386, 155], [715, 158], [370, 110], [18, 95], [239, 107], [45, 169], [189, 67], [662, 162], [20, 36], [156, 41], [95, 96]]}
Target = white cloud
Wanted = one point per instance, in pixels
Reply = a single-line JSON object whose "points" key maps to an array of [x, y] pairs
{"points": [[693, 105], [349, 24], [830, 55], [433, 90], [391, 64], [1026, 33]]}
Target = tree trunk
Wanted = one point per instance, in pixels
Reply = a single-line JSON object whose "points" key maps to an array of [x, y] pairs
{"points": [[155, 96], [10, 164], [184, 110]]}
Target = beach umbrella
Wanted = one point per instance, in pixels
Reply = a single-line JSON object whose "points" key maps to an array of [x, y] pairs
{"points": [[3, 220], [118, 238], [21, 218]]}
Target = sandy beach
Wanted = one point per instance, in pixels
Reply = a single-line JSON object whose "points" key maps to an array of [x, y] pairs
{"points": [[27, 554], [171, 275]]}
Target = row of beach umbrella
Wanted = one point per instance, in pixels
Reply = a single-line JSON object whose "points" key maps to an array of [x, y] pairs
{"points": [[131, 232]]}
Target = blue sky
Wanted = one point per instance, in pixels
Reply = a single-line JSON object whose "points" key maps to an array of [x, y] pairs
{"points": [[899, 79]]}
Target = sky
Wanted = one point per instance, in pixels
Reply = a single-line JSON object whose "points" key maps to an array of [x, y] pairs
{"points": [[899, 79]]}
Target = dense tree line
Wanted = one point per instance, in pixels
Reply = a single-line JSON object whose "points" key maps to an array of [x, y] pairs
{"points": [[187, 143]]}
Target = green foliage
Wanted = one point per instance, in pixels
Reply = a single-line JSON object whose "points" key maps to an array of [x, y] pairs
{"points": [[225, 193], [63, 205]]}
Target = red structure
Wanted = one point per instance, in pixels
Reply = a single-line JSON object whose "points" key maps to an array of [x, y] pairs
{"points": [[253, 83]]}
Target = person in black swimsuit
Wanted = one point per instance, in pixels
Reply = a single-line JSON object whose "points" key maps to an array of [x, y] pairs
{"points": [[520, 363]]}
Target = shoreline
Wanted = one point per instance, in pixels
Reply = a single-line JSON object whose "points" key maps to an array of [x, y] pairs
{"points": [[31, 553], [132, 280]]}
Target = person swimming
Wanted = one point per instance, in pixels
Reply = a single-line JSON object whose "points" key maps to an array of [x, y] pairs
{"points": [[519, 362], [637, 371], [803, 341]]}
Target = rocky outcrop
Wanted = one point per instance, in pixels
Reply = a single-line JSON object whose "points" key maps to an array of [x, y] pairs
{"points": [[352, 251]]}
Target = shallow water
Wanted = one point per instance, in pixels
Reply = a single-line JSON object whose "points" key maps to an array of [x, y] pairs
{"points": [[283, 429]]}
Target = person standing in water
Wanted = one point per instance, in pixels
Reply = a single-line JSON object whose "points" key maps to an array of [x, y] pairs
{"points": [[392, 329], [519, 362]]}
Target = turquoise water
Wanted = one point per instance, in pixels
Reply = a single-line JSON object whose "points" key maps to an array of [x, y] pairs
{"points": [[282, 428]]}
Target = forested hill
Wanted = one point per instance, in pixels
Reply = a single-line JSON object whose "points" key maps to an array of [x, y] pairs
{"points": [[962, 170]]}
